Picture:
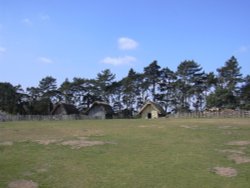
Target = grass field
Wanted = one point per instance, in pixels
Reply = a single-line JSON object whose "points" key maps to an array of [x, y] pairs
{"points": [[165, 153]]}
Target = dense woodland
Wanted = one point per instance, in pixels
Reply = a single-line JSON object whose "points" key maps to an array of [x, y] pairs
{"points": [[189, 88]]}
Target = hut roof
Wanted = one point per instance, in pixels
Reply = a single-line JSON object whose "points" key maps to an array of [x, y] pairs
{"points": [[106, 107], [69, 108], [156, 106]]}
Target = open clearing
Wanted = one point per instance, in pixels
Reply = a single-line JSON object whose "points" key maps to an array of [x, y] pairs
{"points": [[171, 153]]}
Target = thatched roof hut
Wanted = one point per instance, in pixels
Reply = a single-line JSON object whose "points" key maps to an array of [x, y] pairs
{"points": [[124, 114], [64, 109], [100, 110], [151, 110]]}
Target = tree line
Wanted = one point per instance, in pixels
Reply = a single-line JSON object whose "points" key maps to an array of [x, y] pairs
{"points": [[189, 88]]}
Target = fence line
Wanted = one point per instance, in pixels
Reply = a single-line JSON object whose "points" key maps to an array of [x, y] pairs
{"points": [[43, 117], [222, 114]]}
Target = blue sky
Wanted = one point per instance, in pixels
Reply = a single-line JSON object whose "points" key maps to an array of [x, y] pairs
{"points": [[80, 38]]}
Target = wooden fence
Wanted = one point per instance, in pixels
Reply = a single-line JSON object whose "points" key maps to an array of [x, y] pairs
{"points": [[42, 117], [222, 114]]}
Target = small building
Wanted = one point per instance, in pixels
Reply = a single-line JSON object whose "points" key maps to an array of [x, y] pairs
{"points": [[64, 109], [151, 110], [124, 114], [100, 110]]}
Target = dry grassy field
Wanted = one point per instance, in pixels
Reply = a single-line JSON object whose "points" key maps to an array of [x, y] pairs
{"points": [[171, 153]]}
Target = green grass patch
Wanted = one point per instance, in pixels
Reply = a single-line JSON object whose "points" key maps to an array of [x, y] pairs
{"points": [[171, 153]]}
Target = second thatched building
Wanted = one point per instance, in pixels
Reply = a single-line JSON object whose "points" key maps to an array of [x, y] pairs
{"points": [[100, 110], [151, 110]]}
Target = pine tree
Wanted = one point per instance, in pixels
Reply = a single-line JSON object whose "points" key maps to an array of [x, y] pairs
{"points": [[152, 76], [103, 82], [245, 94], [226, 94], [189, 83]]}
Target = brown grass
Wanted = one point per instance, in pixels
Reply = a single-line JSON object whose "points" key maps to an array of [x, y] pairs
{"points": [[238, 143], [47, 142], [237, 155], [77, 144], [224, 126], [239, 159], [232, 151], [225, 171], [23, 184], [188, 126], [6, 143], [227, 132]]}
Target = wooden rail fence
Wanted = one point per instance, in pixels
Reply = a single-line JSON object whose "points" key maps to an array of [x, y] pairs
{"points": [[222, 114], [231, 114], [42, 117]]}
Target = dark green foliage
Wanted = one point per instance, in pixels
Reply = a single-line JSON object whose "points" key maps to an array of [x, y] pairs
{"points": [[47, 85], [131, 88], [229, 75], [191, 85], [104, 84], [152, 74], [167, 88], [187, 89], [226, 94], [245, 94], [41, 98], [41, 107], [66, 92], [9, 98], [222, 98]]}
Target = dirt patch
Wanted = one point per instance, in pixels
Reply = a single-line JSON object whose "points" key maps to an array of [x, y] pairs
{"points": [[225, 126], [47, 142], [77, 144], [242, 148], [189, 127], [28, 173], [239, 159], [225, 171], [185, 126], [227, 132], [143, 126], [228, 127], [237, 155], [151, 126], [41, 170], [82, 138], [238, 143], [6, 143], [23, 184], [232, 151]]}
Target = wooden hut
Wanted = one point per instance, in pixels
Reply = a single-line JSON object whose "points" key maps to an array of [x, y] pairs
{"points": [[151, 110], [100, 110], [124, 114], [64, 109]]}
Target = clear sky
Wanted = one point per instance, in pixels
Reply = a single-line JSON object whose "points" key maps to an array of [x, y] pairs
{"points": [[79, 38]]}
